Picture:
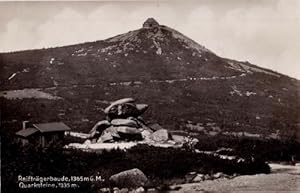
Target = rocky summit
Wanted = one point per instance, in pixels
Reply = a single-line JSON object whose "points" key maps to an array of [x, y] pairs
{"points": [[189, 87]]}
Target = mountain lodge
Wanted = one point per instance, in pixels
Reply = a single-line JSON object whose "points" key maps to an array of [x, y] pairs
{"points": [[42, 134]]}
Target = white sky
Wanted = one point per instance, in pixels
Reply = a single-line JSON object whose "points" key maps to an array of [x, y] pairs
{"points": [[263, 32]]}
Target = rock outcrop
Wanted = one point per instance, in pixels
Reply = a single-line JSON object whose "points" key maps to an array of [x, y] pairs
{"points": [[124, 126], [161, 135], [150, 23]]}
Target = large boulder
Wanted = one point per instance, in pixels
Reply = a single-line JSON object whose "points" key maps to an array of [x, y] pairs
{"points": [[161, 135], [179, 139], [127, 130], [142, 108], [130, 178], [123, 111], [124, 122], [125, 108], [146, 133], [109, 135], [105, 137], [121, 133], [129, 133], [99, 127], [140, 122], [118, 102]]}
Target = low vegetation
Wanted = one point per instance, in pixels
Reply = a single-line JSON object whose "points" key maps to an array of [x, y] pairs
{"points": [[159, 164], [262, 149]]}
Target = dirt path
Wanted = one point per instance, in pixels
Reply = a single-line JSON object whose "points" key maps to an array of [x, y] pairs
{"points": [[283, 179]]}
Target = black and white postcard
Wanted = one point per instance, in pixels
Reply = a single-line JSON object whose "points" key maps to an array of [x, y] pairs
{"points": [[150, 96]]}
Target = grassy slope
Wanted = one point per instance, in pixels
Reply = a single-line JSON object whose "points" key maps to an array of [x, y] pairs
{"points": [[171, 104]]}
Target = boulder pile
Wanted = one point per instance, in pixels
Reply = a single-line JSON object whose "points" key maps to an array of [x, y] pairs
{"points": [[124, 123], [124, 128]]}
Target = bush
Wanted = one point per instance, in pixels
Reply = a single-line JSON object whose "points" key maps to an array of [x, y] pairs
{"points": [[262, 149]]}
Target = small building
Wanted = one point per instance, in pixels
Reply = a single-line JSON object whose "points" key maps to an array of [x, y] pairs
{"points": [[150, 23], [42, 134]]}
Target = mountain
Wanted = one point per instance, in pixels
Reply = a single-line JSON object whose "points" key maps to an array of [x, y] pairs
{"points": [[188, 87]]}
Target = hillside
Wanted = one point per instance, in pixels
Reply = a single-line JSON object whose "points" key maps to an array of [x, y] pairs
{"points": [[188, 87]]}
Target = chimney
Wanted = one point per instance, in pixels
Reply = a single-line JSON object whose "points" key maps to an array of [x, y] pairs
{"points": [[25, 124]]}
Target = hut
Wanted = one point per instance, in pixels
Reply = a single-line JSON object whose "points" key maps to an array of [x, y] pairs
{"points": [[150, 23], [42, 134]]}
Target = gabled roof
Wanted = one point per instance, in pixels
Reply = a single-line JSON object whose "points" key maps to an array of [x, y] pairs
{"points": [[50, 127], [26, 132]]}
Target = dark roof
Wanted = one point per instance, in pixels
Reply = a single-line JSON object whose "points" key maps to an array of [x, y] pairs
{"points": [[50, 127], [26, 132]]}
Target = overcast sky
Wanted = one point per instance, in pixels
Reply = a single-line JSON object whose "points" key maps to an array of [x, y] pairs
{"points": [[263, 32]]}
